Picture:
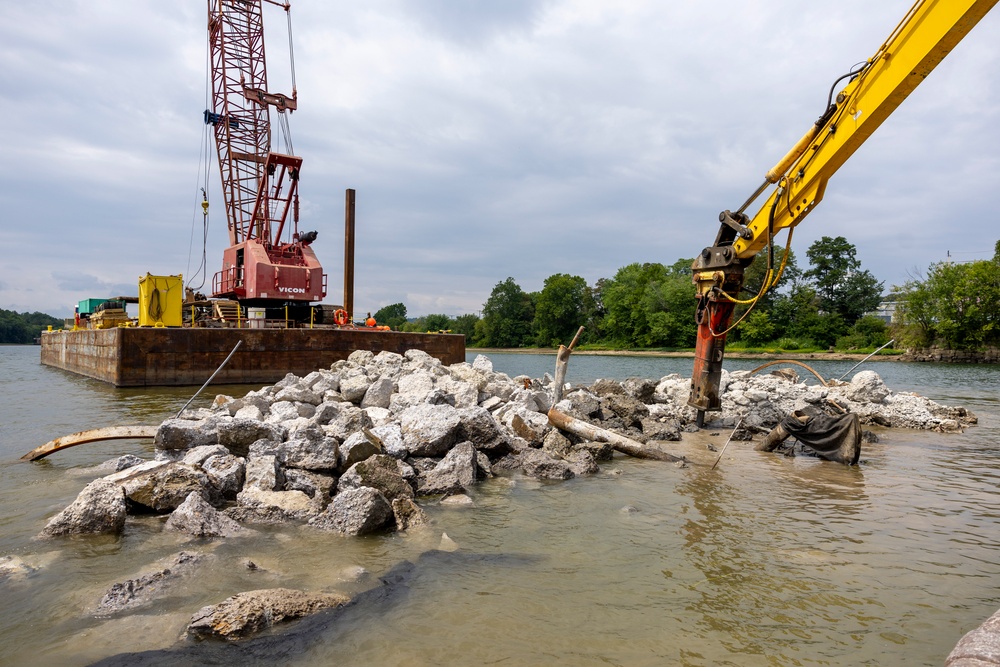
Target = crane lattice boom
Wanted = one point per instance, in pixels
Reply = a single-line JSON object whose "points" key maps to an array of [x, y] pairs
{"points": [[260, 187]]}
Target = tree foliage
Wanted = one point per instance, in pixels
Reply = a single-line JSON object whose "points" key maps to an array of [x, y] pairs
{"points": [[842, 286], [651, 305], [393, 315], [24, 327], [465, 325], [957, 306], [560, 309], [507, 316]]}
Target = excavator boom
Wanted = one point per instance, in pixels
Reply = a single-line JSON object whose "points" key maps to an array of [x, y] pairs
{"points": [[921, 40]]}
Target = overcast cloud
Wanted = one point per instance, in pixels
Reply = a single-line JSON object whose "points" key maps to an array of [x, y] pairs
{"points": [[484, 139]]}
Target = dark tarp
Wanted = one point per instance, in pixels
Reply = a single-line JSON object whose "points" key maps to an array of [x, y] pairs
{"points": [[833, 438]]}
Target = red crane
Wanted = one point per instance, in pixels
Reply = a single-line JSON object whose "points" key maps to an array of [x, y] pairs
{"points": [[268, 262]]}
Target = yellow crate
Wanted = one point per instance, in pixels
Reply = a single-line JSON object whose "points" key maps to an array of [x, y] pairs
{"points": [[160, 300]]}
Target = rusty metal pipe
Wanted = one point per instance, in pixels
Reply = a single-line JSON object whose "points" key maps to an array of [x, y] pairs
{"points": [[349, 254]]}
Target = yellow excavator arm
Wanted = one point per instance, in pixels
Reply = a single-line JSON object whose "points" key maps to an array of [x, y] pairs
{"points": [[928, 32]]}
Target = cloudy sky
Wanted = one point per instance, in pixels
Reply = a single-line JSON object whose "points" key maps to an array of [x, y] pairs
{"points": [[485, 139]]}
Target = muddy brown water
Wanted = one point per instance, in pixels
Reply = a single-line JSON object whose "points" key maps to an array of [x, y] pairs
{"points": [[765, 560]]}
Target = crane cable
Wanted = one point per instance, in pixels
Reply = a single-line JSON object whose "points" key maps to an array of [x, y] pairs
{"points": [[204, 171], [286, 132], [291, 50]]}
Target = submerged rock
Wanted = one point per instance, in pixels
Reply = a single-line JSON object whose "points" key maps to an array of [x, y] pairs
{"points": [[408, 514], [142, 591], [13, 567], [246, 613]]}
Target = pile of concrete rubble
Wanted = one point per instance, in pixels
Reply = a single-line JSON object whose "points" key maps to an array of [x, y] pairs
{"points": [[352, 448], [356, 448]]}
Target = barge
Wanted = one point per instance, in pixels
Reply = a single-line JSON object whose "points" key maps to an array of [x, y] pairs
{"points": [[158, 356]]}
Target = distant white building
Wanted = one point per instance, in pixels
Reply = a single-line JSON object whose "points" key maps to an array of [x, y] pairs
{"points": [[886, 312]]}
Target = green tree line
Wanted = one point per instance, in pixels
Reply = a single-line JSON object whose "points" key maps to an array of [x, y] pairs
{"points": [[24, 327], [956, 306], [651, 305], [823, 305]]}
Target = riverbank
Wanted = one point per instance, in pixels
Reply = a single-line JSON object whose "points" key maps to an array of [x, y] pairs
{"points": [[689, 354]]}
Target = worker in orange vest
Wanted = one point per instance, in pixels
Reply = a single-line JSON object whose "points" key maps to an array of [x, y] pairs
{"points": [[370, 321]]}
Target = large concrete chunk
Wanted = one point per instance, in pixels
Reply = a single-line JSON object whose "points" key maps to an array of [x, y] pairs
{"points": [[641, 389], [354, 386], [979, 647], [264, 473], [99, 508], [630, 410], [385, 364], [246, 613], [198, 455], [378, 394], [661, 429], [581, 404], [181, 434], [357, 448], [292, 505], [414, 387], [227, 473], [390, 435], [348, 420], [355, 512], [197, 518], [530, 425], [316, 485], [163, 488], [298, 394], [310, 449], [458, 393], [470, 375], [238, 434], [479, 427], [429, 430], [454, 474], [380, 472], [867, 387], [541, 465]]}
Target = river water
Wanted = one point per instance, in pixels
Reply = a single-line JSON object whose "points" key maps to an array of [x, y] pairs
{"points": [[765, 560]]}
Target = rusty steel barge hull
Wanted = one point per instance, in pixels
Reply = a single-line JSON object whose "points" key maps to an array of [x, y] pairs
{"points": [[156, 357]]}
